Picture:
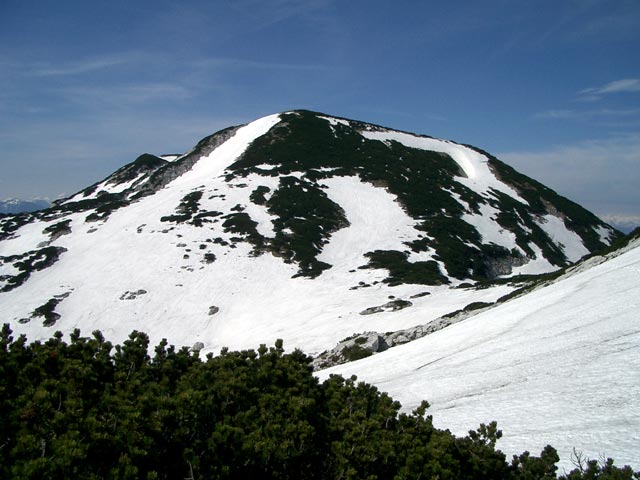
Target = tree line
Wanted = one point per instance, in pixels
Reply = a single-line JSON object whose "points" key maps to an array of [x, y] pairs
{"points": [[87, 409]]}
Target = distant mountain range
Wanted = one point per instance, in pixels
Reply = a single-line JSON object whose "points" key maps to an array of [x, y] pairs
{"points": [[14, 205]]}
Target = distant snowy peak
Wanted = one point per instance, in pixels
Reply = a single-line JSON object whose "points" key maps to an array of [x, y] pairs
{"points": [[15, 205]]}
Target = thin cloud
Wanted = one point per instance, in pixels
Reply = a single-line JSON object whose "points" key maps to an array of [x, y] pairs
{"points": [[587, 114], [599, 174], [126, 94], [80, 67], [626, 85], [253, 64], [626, 221]]}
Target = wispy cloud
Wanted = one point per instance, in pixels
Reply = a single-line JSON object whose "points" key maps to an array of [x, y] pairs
{"points": [[78, 67], [253, 64], [621, 221], [600, 174], [125, 94], [588, 114], [626, 85]]}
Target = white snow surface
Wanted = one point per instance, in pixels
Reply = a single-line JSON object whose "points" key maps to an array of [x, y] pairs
{"points": [[558, 366], [377, 222], [479, 176], [571, 242]]}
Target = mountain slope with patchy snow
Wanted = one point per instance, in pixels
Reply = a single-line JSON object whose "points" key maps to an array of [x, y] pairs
{"points": [[559, 366], [298, 226]]}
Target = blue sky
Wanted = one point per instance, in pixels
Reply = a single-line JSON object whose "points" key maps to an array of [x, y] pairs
{"points": [[551, 87]]}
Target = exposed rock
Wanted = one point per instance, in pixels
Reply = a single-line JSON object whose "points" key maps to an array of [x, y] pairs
{"points": [[497, 267], [132, 295], [213, 310], [351, 349], [368, 343], [391, 306], [172, 170]]}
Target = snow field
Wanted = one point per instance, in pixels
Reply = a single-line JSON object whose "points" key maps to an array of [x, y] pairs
{"points": [[559, 366]]}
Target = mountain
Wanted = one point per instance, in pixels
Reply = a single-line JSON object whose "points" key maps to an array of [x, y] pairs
{"points": [[299, 226], [14, 205], [559, 365]]}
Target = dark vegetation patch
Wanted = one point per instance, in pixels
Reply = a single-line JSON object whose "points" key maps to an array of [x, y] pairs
{"points": [[209, 258], [401, 270], [9, 224], [85, 409], [104, 206], [355, 352], [48, 312], [421, 294], [186, 210], [258, 195], [305, 220], [242, 224], [58, 229], [27, 263], [144, 164], [469, 308]]}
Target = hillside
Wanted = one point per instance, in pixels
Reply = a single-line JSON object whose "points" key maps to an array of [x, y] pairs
{"points": [[298, 226], [560, 365]]}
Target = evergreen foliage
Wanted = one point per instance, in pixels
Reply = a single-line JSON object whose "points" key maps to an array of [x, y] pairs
{"points": [[27, 263], [87, 410]]}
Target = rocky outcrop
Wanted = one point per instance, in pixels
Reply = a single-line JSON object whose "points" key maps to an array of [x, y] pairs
{"points": [[368, 343]]}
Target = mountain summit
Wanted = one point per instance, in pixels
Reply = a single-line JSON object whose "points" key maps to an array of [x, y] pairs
{"points": [[299, 226]]}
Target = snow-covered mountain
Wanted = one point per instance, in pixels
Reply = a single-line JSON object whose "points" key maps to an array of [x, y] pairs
{"points": [[559, 365], [298, 226]]}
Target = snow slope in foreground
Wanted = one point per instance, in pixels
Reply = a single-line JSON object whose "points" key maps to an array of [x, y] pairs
{"points": [[559, 366]]}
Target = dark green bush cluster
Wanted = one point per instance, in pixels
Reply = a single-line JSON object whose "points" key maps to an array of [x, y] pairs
{"points": [[186, 210], [27, 263], [87, 410]]}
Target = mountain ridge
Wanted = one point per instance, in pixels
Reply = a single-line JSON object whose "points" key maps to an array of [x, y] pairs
{"points": [[346, 215]]}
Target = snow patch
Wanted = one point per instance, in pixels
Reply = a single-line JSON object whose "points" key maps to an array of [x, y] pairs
{"points": [[489, 229], [569, 241], [605, 233], [335, 121], [377, 222]]}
